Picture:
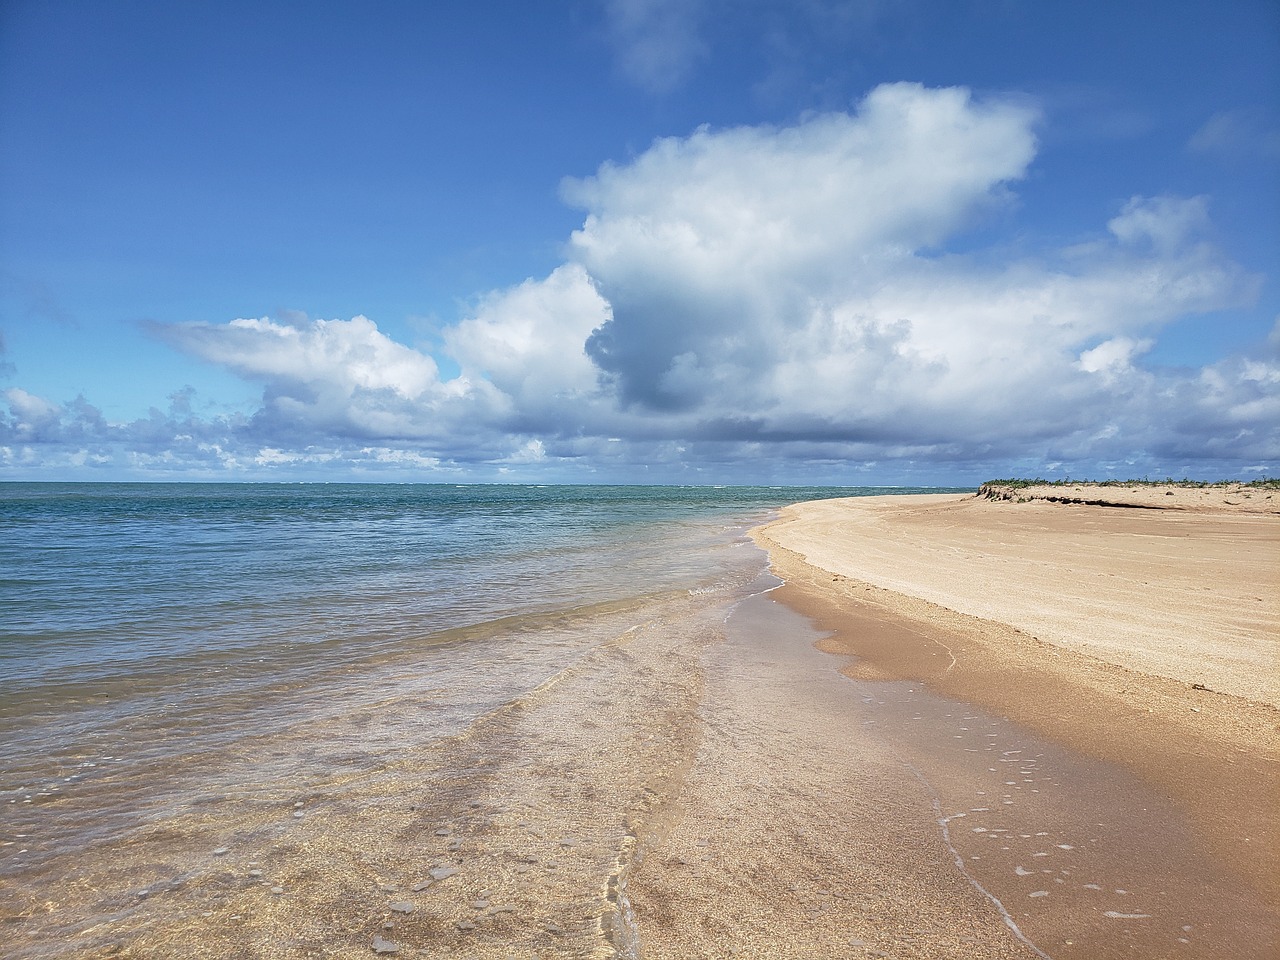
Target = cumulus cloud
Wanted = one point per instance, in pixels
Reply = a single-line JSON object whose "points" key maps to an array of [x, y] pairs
{"points": [[335, 378], [791, 287], [768, 295], [1114, 355], [37, 434], [1166, 223], [32, 417], [707, 245], [345, 355], [529, 343]]}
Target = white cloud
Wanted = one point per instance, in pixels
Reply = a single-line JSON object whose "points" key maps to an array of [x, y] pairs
{"points": [[707, 246], [761, 294], [32, 415], [336, 377], [399, 458], [784, 286], [529, 343], [900, 174], [343, 355], [1242, 132], [657, 42], [1113, 356], [1164, 222], [531, 452]]}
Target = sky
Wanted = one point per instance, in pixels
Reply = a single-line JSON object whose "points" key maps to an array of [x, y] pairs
{"points": [[639, 241]]}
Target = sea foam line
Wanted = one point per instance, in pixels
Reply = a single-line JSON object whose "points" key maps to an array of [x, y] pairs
{"points": [[944, 822]]}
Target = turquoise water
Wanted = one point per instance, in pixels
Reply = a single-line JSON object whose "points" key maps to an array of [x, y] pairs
{"points": [[101, 578], [171, 649], [160, 620]]}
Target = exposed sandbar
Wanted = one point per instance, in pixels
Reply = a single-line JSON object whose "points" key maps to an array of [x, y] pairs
{"points": [[1145, 637]]}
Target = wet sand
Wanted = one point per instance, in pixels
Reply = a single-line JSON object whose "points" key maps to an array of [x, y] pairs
{"points": [[1135, 653], [799, 832], [695, 784]]}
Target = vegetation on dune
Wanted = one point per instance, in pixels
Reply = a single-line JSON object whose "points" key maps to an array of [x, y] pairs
{"points": [[1264, 483], [1074, 491]]}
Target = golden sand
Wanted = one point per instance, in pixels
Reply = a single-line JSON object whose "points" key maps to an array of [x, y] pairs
{"points": [[1187, 594], [1142, 629]]}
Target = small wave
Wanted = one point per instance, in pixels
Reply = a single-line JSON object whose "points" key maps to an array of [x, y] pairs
{"points": [[944, 823]]}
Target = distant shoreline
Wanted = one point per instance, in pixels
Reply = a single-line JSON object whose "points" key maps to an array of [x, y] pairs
{"points": [[1224, 496]]}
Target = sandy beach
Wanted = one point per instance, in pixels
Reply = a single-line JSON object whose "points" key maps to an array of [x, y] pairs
{"points": [[1138, 629], [943, 726]]}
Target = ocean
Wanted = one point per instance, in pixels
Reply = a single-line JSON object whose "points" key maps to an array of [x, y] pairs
{"points": [[245, 718]]}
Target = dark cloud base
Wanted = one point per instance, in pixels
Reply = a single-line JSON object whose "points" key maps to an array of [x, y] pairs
{"points": [[76, 443]]}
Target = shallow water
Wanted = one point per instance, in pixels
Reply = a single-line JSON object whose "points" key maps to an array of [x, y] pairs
{"points": [[190, 667], [880, 816], [1082, 858]]}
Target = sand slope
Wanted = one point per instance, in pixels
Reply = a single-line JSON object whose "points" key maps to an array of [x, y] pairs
{"points": [[1140, 637], [1188, 594]]}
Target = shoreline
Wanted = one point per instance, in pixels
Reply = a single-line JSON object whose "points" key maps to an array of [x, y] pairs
{"points": [[689, 774], [796, 831], [940, 589]]}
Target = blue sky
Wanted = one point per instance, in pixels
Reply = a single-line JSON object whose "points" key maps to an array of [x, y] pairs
{"points": [[639, 240]]}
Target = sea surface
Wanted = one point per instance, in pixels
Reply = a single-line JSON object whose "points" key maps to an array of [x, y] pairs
{"points": [[177, 658]]}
